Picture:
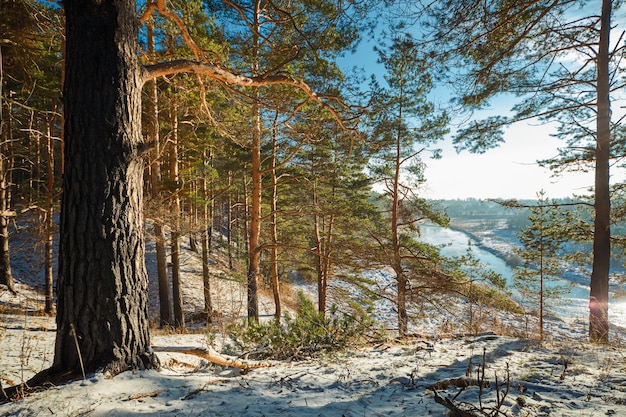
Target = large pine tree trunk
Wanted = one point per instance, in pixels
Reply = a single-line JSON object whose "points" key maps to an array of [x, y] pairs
{"points": [[599, 293], [102, 311]]}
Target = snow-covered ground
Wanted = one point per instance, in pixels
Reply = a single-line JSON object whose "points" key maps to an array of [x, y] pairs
{"points": [[563, 376]]}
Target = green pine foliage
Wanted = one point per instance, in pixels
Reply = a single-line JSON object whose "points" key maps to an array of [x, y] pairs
{"points": [[308, 334], [538, 279]]}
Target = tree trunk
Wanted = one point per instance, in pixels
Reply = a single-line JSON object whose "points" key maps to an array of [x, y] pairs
{"points": [[206, 221], [274, 228], [599, 292], [49, 224], [254, 250], [322, 284], [254, 264], [230, 224], [396, 262], [6, 277], [152, 120], [102, 311], [179, 318]]}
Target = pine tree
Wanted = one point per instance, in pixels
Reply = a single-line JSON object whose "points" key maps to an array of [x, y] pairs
{"points": [[539, 279], [562, 67], [404, 123]]}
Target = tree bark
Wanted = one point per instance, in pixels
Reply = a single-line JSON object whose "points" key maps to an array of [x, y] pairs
{"points": [[599, 292], [102, 311]]}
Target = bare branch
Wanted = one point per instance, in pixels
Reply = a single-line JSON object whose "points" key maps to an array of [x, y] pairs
{"points": [[161, 6], [223, 75]]}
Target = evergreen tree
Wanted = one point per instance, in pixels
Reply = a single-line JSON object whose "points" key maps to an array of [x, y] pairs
{"points": [[403, 124], [539, 278], [558, 60]]}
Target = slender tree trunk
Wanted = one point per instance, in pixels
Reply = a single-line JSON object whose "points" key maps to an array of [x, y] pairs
{"points": [[274, 227], [34, 186], [327, 247], [254, 263], [230, 225], [179, 318], [395, 239], [206, 221], [102, 310], [327, 259], [152, 120], [541, 270], [211, 211], [319, 250], [245, 207], [319, 268], [49, 224], [599, 293], [6, 277]]}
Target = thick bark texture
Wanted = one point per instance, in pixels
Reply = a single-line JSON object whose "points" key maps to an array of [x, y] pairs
{"points": [[102, 312], [599, 293]]}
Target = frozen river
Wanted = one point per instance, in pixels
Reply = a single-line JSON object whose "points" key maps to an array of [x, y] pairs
{"points": [[574, 306]]}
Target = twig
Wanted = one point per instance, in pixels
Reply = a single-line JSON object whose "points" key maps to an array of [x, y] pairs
{"points": [[80, 357], [455, 411]]}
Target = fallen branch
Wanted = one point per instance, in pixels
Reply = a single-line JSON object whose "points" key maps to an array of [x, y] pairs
{"points": [[455, 411], [144, 395], [214, 357]]}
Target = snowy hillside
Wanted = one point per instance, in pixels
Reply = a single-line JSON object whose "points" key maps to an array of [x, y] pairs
{"points": [[493, 373]]}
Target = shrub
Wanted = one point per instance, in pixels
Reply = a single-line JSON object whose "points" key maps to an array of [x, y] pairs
{"points": [[306, 335]]}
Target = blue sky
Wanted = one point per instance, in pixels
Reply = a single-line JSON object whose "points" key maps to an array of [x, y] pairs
{"points": [[509, 171]]}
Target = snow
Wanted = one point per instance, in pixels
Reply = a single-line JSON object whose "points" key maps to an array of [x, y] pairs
{"points": [[563, 376]]}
